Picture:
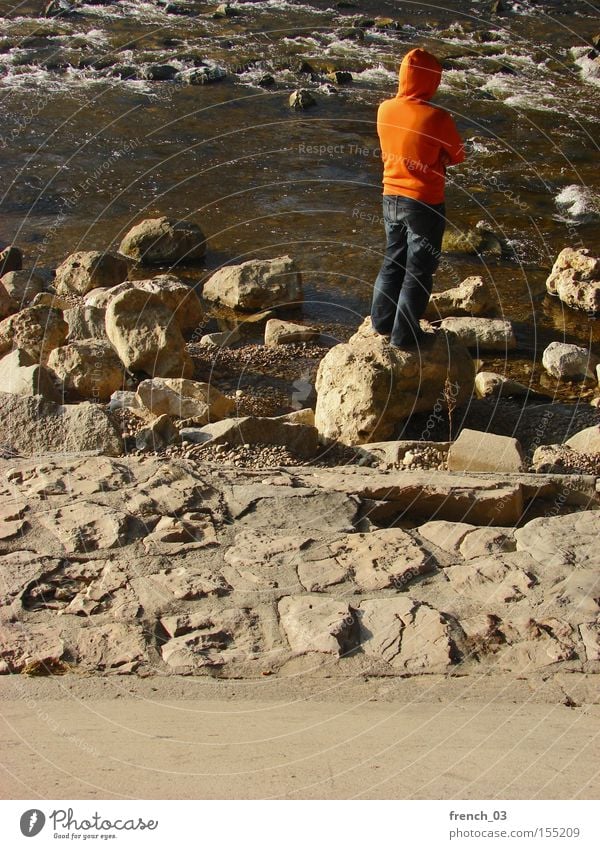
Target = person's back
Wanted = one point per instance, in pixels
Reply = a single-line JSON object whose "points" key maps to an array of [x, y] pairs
{"points": [[418, 140]]}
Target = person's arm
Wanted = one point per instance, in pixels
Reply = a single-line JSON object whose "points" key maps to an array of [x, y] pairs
{"points": [[453, 150]]}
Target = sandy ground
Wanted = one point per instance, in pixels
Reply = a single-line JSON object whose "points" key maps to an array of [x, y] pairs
{"points": [[425, 738]]}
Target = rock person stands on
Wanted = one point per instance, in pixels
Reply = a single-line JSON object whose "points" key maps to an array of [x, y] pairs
{"points": [[418, 141]]}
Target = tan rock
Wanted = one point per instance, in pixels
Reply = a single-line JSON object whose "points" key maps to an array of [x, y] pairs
{"points": [[25, 647], [279, 332], [156, 435], [255, 284], [562, 541], [300, 439], [86, 270], [23, 286], [115, 646], [184, 399], [487, 334], [407, 634], [383, 559], [586, 441], [89, 367], [317, 623], [36, 330], [575, 279], [85, 322], [35, 426], [502, 578], [471, 297], [478, 451], [365, 388], [569, 362], [146, 335], [488, 384], [159, 241], [590, 634], [21, 375], [7, 305], [87, 526]]}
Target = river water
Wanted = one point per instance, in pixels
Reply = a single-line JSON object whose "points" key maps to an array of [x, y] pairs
{"points": [[90, 142]]}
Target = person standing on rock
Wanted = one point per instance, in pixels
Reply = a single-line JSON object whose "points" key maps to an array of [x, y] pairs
{"points": [[418, 141]]}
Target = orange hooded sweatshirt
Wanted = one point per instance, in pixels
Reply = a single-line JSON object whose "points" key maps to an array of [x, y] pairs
{"points": [[417, 138]]}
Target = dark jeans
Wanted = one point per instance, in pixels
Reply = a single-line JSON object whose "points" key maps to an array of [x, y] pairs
{"points": [[402, 290]]}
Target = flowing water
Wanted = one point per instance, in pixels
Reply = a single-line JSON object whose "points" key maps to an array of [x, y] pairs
{"points": [[91, 141]]}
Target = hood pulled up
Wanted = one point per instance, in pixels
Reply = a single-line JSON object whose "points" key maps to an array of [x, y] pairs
{"points": [[420, 75]]}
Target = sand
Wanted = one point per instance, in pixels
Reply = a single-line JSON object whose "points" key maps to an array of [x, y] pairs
{"points": [[431, 737]]}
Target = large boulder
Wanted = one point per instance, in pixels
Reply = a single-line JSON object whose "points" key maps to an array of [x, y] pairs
{"points": [[255, 284], [184, 399], [569, 362], [365, 388], [586, 441], [21, 375], [146, 335], [182, 300], [36, 426], [37, 330], [86, 270], [575, 279], [158, 241], [23, 286], [471, 297], [486, 334], [478, 451], [89, 367]]}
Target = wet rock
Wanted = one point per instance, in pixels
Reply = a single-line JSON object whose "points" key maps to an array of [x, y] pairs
{"points": [[487, 334], [255, 284], [202, 76], [21, 375], [301, 99], [300, 439], [35, 426], [340, 77], [488, 384], [569, 362], [159, 433], [86, 270], [471, 242], [89, 367], [86, 322], [586, 441], [184, 399], [575, 279], [21, 287], [279, 332], [407, 634], [316, 623], [159, 241], [60, 9], [472, 297], [478, 451], [224, 10], [36, 330], [159, 73], [365, 388], [11, 259], [146, 335]]}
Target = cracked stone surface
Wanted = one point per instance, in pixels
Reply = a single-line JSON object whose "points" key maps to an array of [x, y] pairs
{"points": [[143, 565]]}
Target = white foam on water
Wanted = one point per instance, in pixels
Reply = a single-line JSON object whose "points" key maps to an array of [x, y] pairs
{"points": [[579, 203]]}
